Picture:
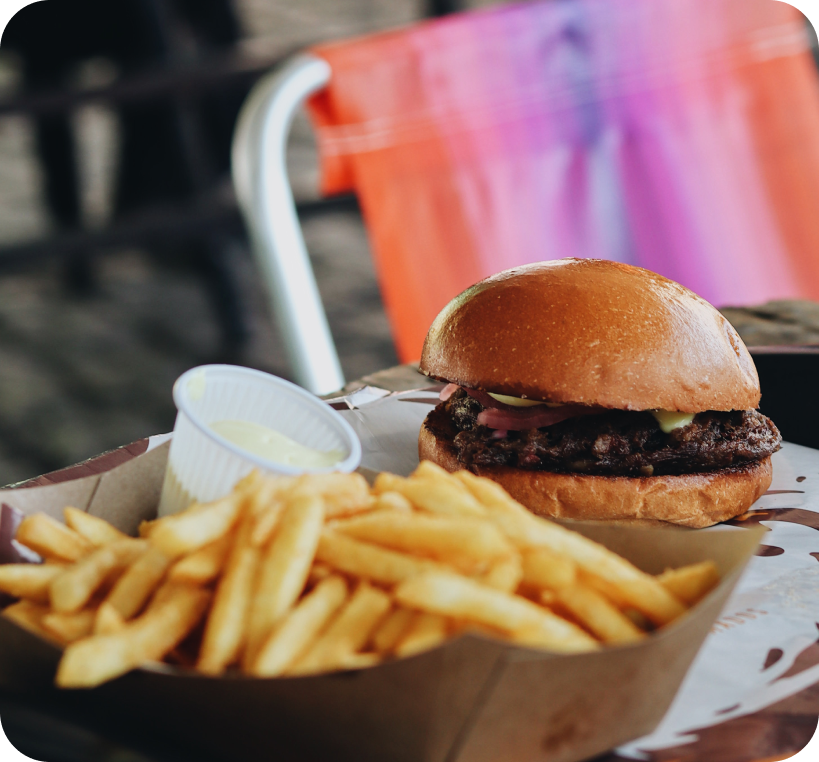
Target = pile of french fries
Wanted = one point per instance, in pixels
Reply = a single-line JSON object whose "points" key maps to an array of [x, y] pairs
{"points": [[300, 575]]}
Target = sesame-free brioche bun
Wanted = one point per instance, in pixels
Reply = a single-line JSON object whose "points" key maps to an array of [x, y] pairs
{"points": [[592, 332], [690, 500]]}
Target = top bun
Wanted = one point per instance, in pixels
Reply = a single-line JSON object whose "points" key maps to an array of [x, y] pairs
{"points": [[593, 332]]}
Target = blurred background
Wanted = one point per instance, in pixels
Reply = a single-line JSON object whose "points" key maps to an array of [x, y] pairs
{"points": [[123, 259], [115, 277]]}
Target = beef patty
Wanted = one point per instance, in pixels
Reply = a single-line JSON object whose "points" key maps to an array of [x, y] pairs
{"points": [[613, 443]]}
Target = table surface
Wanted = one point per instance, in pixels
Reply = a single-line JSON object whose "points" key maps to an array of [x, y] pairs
{"points": [[57, 728]]}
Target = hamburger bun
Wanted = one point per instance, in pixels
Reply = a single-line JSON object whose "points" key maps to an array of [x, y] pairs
{"points": [[592, 332]]}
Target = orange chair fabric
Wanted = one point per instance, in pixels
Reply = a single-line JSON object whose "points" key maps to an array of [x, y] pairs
{"points": [[679, 135]]}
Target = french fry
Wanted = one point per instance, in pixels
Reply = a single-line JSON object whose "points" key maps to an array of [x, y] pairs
{"points": [[343, 494], [635, 587], [548, 598], [598, 615], [51, 539], [433, 495], [204, 565], [425, 631], [638, 620], [392, 629], [544, 569], [393, 501], [226, 628], [250, 483], [461, 598], [613, 592], [476, 628], [318, 572], [387, 482], [198, 526], [73, 587], [295, 635], [266, 505], [29, 616], [91, 661], [358, 661], [361, 559], [70, 627], [284, 568], [466, 543], [494, 498], [505, 574], [606, 588], [638, 589], [97, 531], [535, 636], [30, 581], [133, 589], [265, 524], [428, 469], [108, 620], [691, 583], [347, 633], [443, 497]]}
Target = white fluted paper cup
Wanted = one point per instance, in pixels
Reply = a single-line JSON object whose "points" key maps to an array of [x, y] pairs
{"points": [[204, 466]]}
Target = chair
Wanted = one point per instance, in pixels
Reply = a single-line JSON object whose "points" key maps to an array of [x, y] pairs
{"points": [[543, 130], [266, 201]]}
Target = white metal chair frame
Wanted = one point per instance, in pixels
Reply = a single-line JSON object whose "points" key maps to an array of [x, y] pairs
{"points": [[266, 202]]}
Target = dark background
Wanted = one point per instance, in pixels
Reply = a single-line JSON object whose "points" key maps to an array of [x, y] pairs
{"points": [[122, 257]]}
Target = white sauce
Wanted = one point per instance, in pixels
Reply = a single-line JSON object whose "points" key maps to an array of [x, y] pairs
{"points": [[273, 445]]}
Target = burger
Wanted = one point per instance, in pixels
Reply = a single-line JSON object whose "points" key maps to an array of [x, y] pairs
{"points": [[598, 391]]}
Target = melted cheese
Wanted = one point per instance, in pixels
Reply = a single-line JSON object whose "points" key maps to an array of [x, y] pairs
{"points": [[670, 420]]}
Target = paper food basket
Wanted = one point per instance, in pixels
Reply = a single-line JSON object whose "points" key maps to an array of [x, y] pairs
{"points": [[471, 700]]}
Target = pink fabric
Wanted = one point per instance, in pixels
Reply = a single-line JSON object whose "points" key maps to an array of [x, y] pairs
{"points": [[679, 135]]}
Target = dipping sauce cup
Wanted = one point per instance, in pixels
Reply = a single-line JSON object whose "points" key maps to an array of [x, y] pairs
{"points": [[231, 420]]}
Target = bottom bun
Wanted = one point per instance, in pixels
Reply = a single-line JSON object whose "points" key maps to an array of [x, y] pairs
{"points": [[690, 500]]}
